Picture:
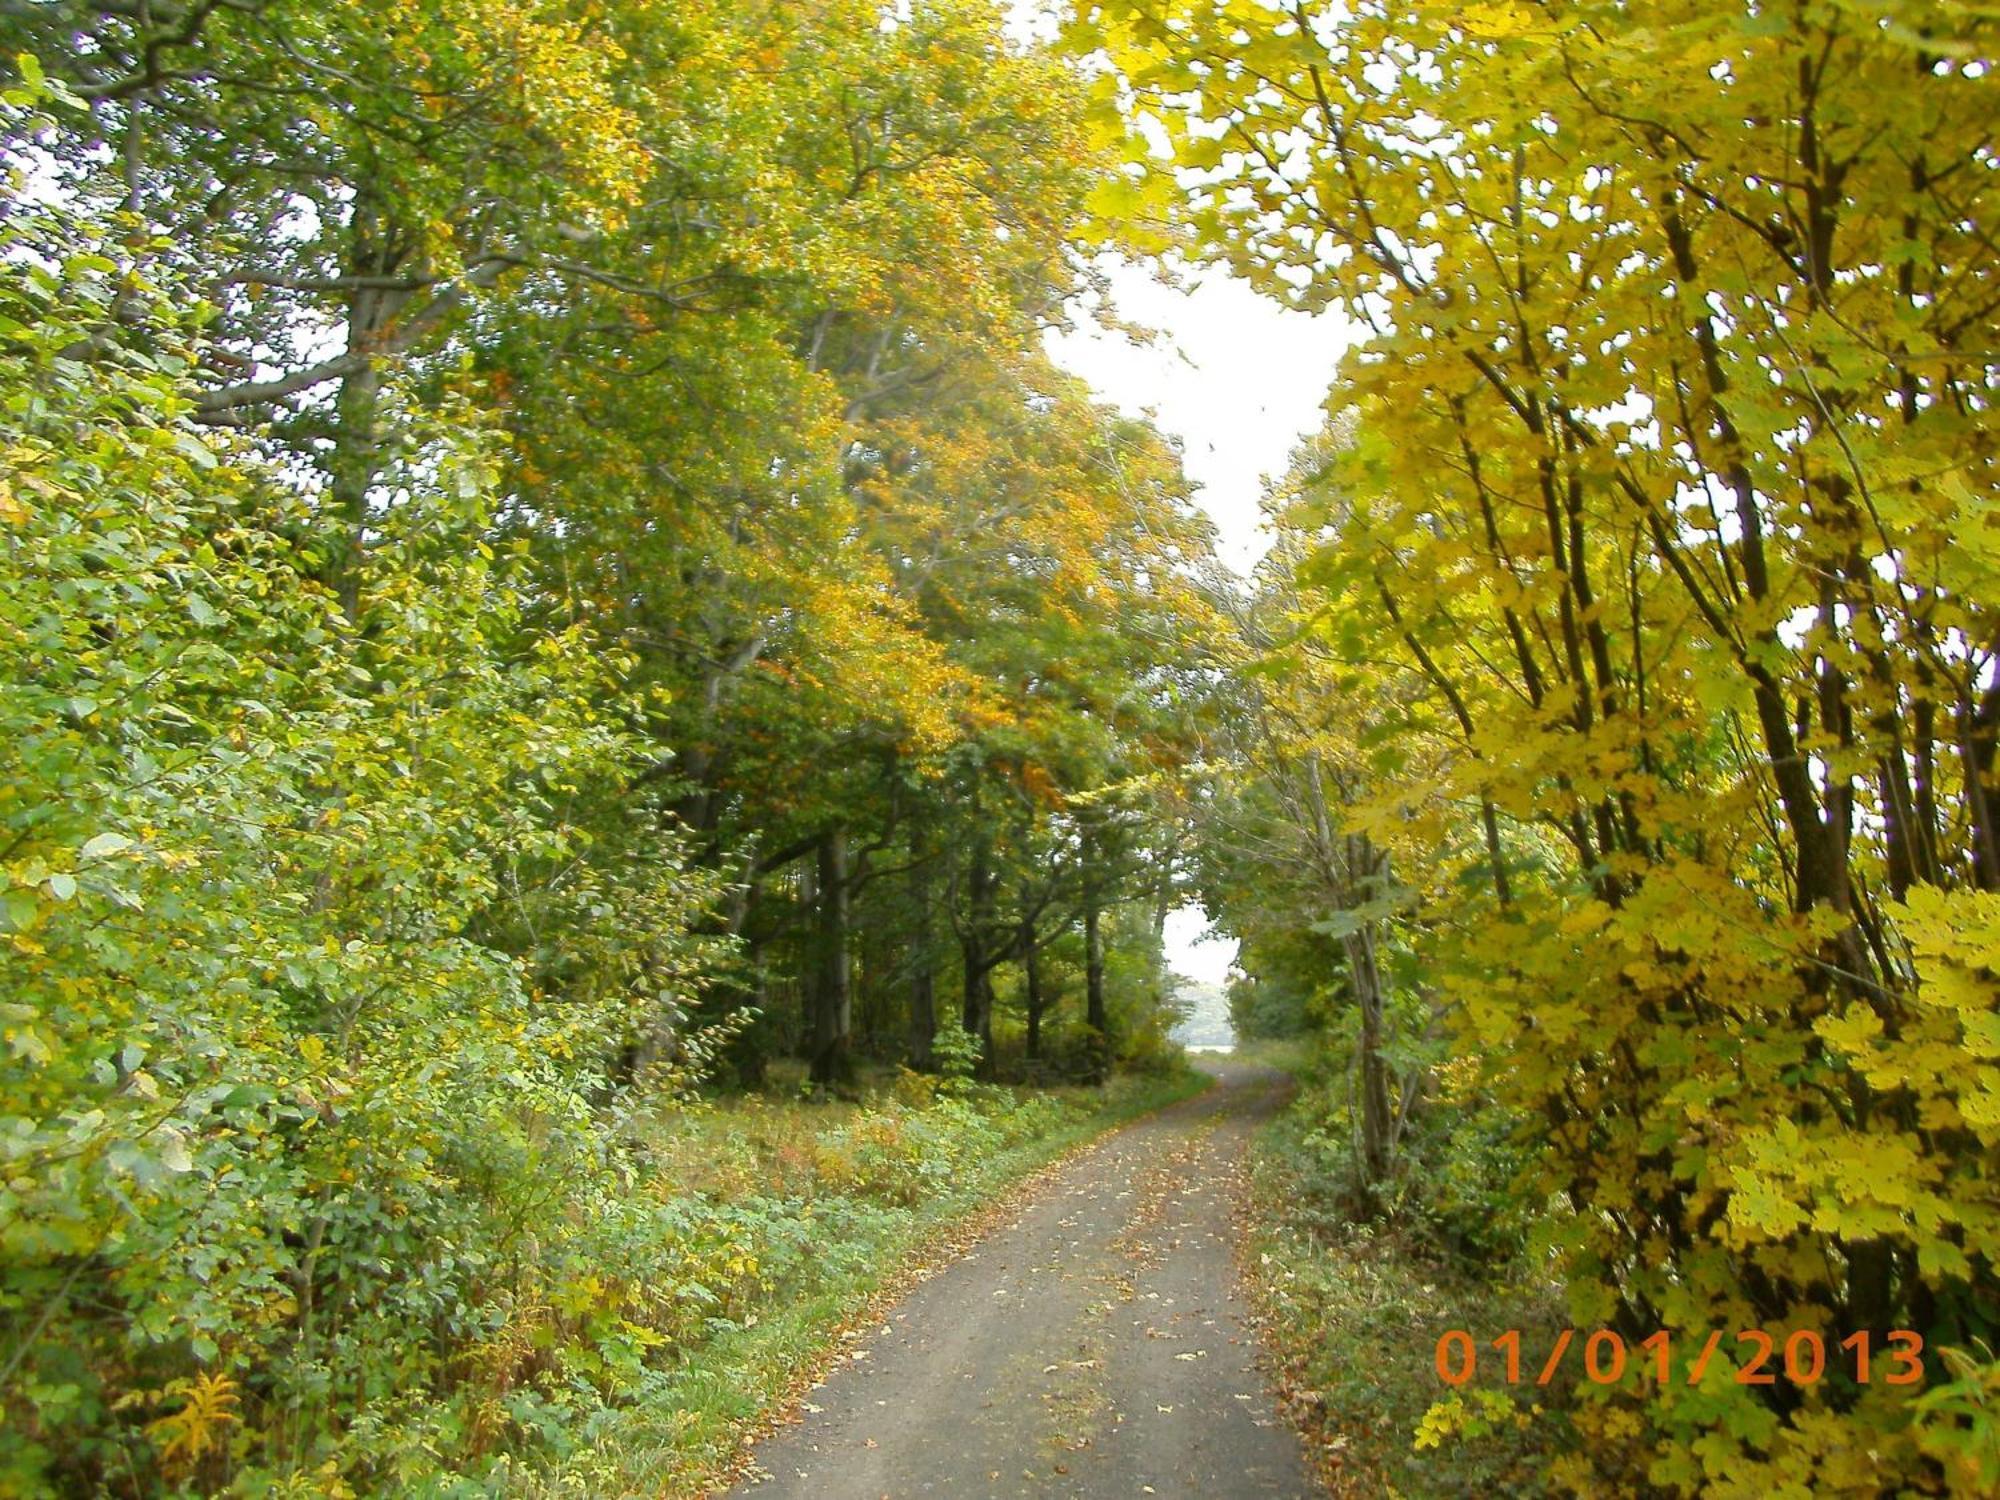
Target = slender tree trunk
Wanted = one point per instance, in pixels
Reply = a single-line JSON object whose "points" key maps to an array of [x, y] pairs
{"points": [[978, 1011], [1377, 1120], [978, 1016], [832, 1009], [923, 964], [353, 464], [1093, 969], [1031, 968], [799, 976], [356, 455], [745, 1050], [1363, 864]]}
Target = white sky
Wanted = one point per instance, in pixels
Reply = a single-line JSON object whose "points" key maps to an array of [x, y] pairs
{"points": [[1236, 377], [1239, 380], [1192, 956]]}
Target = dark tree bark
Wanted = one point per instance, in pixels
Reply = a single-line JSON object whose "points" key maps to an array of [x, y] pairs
{"points": [[1031, 967], [355, 458], [1378, 1122], [1099, 1018], [832, 998], [979, 1005], [977, 1017], [745, 1053], [923, 968]]}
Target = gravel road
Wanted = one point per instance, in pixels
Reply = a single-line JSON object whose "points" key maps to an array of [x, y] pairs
{"points": [[1094, 1345]]}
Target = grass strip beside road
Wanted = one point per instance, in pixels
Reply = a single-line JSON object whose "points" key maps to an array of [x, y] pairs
{"points": [[688, 1435]]}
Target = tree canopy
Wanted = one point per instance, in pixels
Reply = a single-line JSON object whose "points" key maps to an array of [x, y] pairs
{"points": [[1639, 625], [545, 566], [544, 563]]}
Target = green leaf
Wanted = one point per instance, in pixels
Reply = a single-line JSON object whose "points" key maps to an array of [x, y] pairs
{"points": [[195, 450], [19, 906], [174, 1153]]}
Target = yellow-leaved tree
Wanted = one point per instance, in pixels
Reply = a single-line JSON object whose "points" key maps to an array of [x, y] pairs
{"points": [[1672, 479]]}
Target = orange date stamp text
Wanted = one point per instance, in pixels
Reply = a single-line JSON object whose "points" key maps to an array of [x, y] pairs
{"points": [[1754, 1357]]}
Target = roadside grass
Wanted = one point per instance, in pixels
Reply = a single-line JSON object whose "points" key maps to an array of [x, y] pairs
{"points": [[837, 1206], [1288, 1054], [1352, 1311]]}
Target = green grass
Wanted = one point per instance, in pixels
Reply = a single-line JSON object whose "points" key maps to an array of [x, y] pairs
{"points": [[687, 1431], [1290, 1054]]}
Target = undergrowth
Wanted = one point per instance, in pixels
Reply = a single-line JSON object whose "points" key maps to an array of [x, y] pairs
{"points": [[760, 1229], [1354, 1295]]}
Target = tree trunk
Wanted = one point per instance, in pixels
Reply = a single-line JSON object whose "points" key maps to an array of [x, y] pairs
{"points": [[356, 454], [978, 1012], [1377, 1122], [1100, 1021], [1031, 966], [1364, 864], [923, 968], [832, 999], [745, 1049]]}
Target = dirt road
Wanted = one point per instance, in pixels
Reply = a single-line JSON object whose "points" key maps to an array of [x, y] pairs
{"points": [[1094, 1346]]}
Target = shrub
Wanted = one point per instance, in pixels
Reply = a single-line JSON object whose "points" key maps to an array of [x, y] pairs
{"points": [[288, 1107], [1355, 1306], [955, 1052]]}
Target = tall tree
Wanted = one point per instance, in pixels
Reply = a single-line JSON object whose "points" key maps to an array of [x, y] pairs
{"points": [[1671, 474]]}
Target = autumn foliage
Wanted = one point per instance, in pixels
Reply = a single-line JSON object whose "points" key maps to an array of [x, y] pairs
{"points": [[533, 540], [542, 558], [1648, 567]]}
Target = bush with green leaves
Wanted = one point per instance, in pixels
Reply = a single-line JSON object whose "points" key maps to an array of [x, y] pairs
{"points": [[955, 1052], [296, 1107]]}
